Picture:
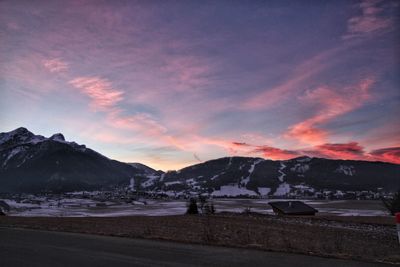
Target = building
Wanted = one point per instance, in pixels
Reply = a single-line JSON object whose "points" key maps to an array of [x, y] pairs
{"points": [[292, 208]]}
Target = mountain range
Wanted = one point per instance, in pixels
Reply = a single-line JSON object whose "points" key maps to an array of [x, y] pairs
{"points": [[33, 163]]}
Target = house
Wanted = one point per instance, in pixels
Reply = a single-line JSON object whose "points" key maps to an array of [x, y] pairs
{"points": [[292, 208]]}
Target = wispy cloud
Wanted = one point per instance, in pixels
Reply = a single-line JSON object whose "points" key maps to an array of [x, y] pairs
{"points": [[195, 84], [186, 72], [103, 95], [294, 83], [55, 65], [331, 104], [140, 122], [371, 21], [350, 151]]}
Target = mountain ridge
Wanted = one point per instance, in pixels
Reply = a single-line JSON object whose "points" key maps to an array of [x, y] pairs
{"points": [[34, 163]]}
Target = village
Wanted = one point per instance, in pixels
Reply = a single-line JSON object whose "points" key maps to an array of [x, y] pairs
{"points": [[130, 196], [126, 202]]}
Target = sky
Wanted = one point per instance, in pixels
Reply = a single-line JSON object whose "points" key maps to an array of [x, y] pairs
{"points": [[175, 83]]}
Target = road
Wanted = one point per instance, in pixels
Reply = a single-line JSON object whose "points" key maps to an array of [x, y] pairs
{"points": [[21, 247]]}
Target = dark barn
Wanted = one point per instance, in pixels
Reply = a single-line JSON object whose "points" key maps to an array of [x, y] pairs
{"points": [[292, 208]]}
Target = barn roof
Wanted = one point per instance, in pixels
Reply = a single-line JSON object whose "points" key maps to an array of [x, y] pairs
{"points": [[292, 207]]}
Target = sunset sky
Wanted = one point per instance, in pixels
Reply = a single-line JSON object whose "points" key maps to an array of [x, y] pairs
{"points": [[174, 83]]}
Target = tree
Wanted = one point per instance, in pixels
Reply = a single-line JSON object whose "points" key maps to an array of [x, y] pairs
{"points": [[192, 207], [206, 207], [212, 208], [393, 204], [203, 203]]}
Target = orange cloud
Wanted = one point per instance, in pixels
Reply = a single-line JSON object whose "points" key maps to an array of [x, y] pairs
{"points": [[331, 104]]}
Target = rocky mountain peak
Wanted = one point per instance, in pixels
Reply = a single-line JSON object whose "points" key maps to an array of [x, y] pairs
{"points": [[18, 135], [57, 137]]}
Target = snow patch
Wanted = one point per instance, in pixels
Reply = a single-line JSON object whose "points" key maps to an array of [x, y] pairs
{"points": [[230, 163], [300, 168], [150, 181], [132, 184], [264, 191], [162, 177], [347, 170], [214, 177], [283, 189], [251, 170], [233, 190], [172, 183], [282, 174], [12, 153]]}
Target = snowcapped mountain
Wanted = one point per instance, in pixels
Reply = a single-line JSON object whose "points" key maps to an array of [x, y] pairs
{"points": [[257, 177], [33, 163]]}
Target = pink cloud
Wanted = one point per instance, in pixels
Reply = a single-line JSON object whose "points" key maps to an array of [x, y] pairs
{"points": [[264, 150], [27, 69], [106, 98], [351, 150], [355, 151], [103, 95], [295, 83], [331, 104], [391, 154], [12, 25], [186, 72], [370, 22], [140, 122], [239, 144], [275, 153], [55, 65]]}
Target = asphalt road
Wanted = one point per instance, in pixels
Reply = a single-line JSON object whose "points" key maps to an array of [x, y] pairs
{"points": [[21, 247]]}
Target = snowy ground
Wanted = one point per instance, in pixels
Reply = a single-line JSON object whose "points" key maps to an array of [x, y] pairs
{"points": [[85, 207]]}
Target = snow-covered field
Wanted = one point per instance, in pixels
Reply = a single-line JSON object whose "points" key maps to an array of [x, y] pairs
{"points": [[78, 207]]}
